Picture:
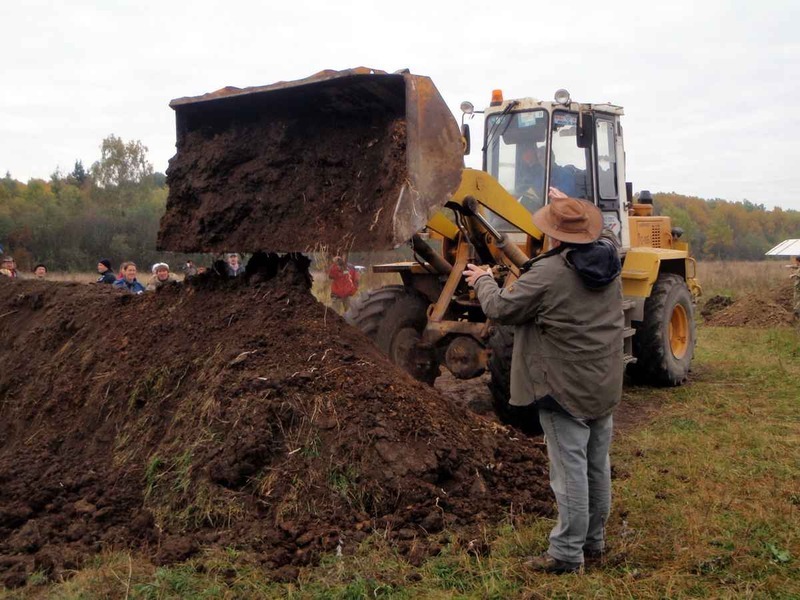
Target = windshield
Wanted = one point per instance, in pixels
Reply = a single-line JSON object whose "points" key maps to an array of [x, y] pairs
{"points": [[568, 171], [516, 150]]}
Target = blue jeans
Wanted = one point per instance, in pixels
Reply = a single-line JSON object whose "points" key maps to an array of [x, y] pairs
{"points": [[580, 475]]}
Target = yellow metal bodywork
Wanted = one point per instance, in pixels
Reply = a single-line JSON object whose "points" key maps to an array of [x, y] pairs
{"points": [[443, 226], [651, 244], [650, 232], [651, 238], [642, 266], [489, 193]]}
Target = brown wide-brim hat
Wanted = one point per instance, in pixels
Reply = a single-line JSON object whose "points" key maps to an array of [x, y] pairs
{"points": [[570, 220]]}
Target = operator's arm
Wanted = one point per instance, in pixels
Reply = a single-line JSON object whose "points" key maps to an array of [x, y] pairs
{"points": [[514, 305]]}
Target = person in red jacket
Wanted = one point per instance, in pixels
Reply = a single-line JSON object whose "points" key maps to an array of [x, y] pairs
{"points": [[344, 283]]}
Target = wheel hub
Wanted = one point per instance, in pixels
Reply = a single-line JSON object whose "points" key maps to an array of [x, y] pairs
{"points": [[679, 332]]}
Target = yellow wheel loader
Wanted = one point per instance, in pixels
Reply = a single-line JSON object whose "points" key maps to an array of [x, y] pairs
{"points": [[365, 160]]}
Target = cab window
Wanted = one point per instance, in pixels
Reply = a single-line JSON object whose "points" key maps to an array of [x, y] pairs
{"points": [[606, 160], [568, 172], [516, 154]]}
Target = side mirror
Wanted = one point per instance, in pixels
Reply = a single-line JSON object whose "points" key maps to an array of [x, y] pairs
{"points": [[585, 131], [465, 138]]}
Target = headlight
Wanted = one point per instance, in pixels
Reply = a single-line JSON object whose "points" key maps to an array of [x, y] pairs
{"points": [[467, 108], [562, 96]]}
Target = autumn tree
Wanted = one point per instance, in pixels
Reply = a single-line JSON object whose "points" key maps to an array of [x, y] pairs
{"points": [[121, 163], [79, 174], [73, 220]]}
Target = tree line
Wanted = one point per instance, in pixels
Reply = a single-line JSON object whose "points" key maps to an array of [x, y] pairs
{"points": [[70, 222], [112, 210], [722, 230]]}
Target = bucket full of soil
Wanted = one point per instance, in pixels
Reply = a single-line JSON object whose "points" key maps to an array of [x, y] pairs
{"points": [[344, 160]]}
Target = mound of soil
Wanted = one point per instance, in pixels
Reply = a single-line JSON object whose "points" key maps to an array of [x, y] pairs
{"points": [[233, 413], [770, 308], [715, 304]]}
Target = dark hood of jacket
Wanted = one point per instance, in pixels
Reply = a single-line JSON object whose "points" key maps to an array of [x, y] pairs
{"points": [[597, 263]]}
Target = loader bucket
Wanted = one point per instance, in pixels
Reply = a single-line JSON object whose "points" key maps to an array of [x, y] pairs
{"points": [[343, 160]]}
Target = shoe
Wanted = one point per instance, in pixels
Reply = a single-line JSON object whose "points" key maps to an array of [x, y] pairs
{"points": [[548, 564], [593, 556]]}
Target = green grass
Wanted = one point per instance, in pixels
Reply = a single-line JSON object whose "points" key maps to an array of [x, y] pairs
{"points": [[707, 505]]}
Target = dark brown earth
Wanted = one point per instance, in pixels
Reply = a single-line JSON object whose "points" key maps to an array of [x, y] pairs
{"points": [[229, 413], [768, 308], [283, 184], [715, 304]]}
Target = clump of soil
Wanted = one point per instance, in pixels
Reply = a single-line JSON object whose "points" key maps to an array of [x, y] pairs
{"points": [[282, 183], [769, 308], [234, 413], [715, 304]]}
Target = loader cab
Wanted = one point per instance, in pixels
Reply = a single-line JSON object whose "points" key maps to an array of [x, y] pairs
{"points": [[530, 146]]}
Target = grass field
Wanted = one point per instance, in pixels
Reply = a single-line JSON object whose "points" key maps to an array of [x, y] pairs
{"points": [[733, 278], [707, 505]]}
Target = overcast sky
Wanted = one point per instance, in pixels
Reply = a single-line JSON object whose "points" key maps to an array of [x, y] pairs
{"points": [[710, 89]]}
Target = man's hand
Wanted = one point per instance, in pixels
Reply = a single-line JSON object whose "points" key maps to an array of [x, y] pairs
{"points": [[474, 272], [556, 193]]}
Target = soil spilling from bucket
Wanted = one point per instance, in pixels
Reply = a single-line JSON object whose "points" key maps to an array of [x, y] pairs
{"points": [[229, 413]]}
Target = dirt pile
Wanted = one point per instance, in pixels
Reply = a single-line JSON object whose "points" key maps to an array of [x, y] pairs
{"points": [[231, 413], [715, 304], [769, 308]]}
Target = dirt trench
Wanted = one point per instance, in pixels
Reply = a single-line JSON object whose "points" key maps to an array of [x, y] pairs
{"points": [[230, 413]]}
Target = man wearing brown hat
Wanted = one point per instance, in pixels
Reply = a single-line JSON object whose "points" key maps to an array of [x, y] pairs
{"points": [[567, 362]]}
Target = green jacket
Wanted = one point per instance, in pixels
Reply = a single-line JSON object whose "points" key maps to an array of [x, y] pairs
{"points": [[567, 339]]}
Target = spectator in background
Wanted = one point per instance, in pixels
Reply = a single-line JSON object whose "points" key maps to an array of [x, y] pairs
{"points": [[106, 272], [161, 276], [796, 278], [189, 270], [40, 271], [8, 267], [128, 280], [344, 283], [234, 265]]}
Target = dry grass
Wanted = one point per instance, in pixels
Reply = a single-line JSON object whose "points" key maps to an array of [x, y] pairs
{"points": [[716, 277], [736, 278], [68, 276]]}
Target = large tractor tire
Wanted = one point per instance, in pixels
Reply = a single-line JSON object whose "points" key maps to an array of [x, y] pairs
{"points": [[395, 317], [664, 341], [367, 311], [526, 419]]}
